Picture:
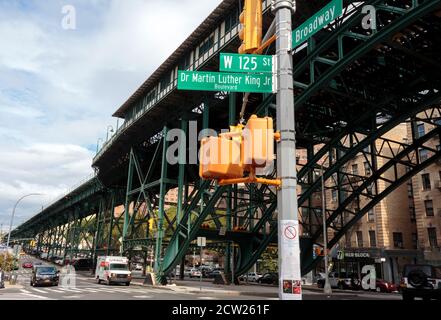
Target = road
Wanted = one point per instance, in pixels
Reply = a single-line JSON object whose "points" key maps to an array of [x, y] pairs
{"points": [[85, 288]]}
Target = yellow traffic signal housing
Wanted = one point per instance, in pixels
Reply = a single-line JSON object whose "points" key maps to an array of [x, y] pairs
{"points": [[258, 144], [251, 32], [220, 158]]}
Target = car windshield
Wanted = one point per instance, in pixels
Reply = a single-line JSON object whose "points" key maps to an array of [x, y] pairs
{"points": [[47, 270], [118, 266]]}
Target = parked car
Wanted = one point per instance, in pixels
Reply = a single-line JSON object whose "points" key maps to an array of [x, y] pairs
{"points": [[384, 286], [341, 281], [252, 276], [83, 264], [215, 272], [423, 281], [195, 273], [44, 275], [269, 278], [138, 267], [27, 265]]}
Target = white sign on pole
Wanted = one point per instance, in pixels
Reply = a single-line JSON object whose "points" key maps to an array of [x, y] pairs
{"points": [[290, 278], [202, 241]]}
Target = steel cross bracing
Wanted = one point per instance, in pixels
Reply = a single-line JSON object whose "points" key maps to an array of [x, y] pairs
{"points": [[352, 86]]}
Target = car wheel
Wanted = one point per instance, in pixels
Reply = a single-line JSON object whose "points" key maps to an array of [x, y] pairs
{"points": [[320, 285], [98, 280], [127, 284]]}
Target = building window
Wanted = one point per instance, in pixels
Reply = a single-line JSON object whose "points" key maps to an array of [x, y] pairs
{"points": [[367, 168], [410, 190], [334, 195], [371, 215], [428, 204], [205, 46], [185, 63], [433, 241], [165, 81], [398, 240], [412, 213], [426, 181], [360, 239], [420, 130], [372, 239], [355, 169], [415, 240], [370, 189], [232, 20], [424, 155]]}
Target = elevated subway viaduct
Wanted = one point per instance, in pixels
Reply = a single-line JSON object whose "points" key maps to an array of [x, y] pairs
{"points": [[352, 86]]}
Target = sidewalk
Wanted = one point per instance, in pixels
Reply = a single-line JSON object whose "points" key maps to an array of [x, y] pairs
{"points": [[187, 286]]}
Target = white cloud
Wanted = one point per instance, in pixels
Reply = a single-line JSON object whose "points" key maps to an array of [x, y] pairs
{"points": [[59, 88]]}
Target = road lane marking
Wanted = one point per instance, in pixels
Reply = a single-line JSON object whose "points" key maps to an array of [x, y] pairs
{"points": [[142, 297], [55, 290], [38, 290], [29, 294]]}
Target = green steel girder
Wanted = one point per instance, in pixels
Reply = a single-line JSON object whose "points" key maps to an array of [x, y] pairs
{"points": [[184, 235], [411, 109], [418, 10], [414, 168]]}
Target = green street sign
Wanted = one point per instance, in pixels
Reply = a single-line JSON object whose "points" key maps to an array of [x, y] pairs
{"points": [[233, 62], [220, 81], [318, 21]]}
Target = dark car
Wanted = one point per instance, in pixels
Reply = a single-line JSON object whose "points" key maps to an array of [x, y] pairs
{"points": [[269, 278], [83, 264], [422, 281], [45, 275]]}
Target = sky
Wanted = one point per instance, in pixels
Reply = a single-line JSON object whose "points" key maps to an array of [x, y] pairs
{"points": [[65, 67]]}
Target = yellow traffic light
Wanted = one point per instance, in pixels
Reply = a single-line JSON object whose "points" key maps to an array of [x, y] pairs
{"points": [[251, 20], [151, 222]]}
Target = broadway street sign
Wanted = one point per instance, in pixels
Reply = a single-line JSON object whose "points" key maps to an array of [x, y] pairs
{"points": [[220, 81], [318, 21], [233, 62]]}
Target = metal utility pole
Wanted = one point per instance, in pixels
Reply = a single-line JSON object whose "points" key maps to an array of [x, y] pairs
{"points": [[327, 288], [288, 222]]}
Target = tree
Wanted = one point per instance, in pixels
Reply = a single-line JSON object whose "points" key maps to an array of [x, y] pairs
{"points": [[270, 261], [7, 264]]}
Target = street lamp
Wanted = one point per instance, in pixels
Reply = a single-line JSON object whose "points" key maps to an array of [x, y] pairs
{"points": [[111, 131], [327, 288], [98, 144], [13, 214]]}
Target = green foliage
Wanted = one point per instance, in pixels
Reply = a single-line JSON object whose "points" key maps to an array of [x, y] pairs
{"points": [[7, 264], [269, 261]]}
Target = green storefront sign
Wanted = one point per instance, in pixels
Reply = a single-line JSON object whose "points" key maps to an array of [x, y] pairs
{"points": [[233, 62], [317, 22], [220, 81]]}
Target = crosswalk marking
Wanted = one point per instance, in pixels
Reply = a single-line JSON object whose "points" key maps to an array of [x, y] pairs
{"points": [[38, 290], [29, 294]]}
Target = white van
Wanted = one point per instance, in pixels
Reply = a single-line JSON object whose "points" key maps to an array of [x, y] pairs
{"points": [[113, 270]]}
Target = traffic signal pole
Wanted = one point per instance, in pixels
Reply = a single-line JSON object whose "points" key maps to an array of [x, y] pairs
{"points": [[288, 222]]}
